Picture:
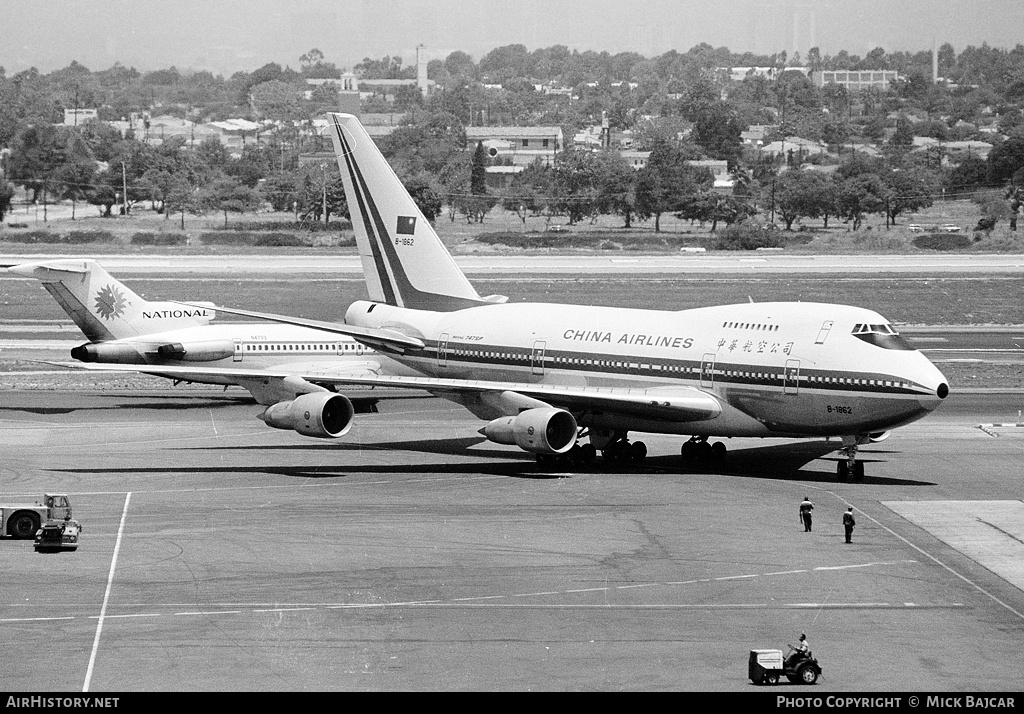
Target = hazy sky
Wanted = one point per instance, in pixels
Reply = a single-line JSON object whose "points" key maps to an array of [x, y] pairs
{"points": [[226, 36]]}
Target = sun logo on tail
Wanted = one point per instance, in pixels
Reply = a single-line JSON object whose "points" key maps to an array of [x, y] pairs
{"points": [[110, 302]]}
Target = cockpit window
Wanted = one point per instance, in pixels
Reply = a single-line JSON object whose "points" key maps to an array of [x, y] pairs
{"points": [[865, 329], [881, 336]]}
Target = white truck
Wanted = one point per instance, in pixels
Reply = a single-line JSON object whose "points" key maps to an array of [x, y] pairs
{"points": [[22, 520]]}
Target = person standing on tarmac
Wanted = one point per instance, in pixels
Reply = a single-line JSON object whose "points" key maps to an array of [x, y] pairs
{"points": [[849, 523], [805, 513]]}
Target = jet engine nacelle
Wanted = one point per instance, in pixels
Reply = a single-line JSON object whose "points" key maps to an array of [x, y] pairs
{"points": [[877, 436], [539, 431], [117, 352], [319, 414], [205, 351]]}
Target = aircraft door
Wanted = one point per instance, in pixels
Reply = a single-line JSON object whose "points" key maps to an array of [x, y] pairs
{"points": [[823, 333], [707, 370], [791, 377], [442, 350], [537, 357], [238, 351]]}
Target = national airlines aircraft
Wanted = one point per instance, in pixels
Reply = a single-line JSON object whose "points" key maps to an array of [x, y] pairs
{"points": [[125, 329], [571, 380]]}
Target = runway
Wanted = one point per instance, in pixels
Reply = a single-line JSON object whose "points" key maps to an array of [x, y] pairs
{"points": [[483, 263], [220, 555]]}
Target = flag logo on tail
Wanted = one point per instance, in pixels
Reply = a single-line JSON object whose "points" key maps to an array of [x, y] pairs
{"points": [[406, 225]]}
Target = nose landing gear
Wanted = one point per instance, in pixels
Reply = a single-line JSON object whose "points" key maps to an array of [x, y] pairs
{"points": [[848, 467]]}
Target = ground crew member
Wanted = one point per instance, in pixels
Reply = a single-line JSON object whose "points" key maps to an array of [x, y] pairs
{"points": [[849, 523], [805, 513], [802, 648]]}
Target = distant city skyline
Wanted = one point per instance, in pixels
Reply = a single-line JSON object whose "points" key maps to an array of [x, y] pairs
{"points": [[226, 36]]}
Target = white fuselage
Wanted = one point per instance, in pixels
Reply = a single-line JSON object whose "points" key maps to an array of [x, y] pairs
{"points": [[778, 369]]}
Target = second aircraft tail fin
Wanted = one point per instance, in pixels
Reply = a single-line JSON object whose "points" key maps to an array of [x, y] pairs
{"points": [[104, 308]]}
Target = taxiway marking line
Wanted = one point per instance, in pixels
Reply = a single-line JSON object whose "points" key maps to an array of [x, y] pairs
{"points": [[482, 600], [35, 619], [939, 562], [106, 594]]}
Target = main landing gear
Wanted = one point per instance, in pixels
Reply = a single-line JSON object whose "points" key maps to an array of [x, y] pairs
{"points": [[699, 449], [615, 448]]}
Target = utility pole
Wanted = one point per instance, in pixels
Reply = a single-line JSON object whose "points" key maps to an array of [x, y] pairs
{"points": [[124, 187], [323, 173]]}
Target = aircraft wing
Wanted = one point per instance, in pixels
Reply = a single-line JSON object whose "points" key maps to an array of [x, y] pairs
{"points": [[381, 339], [662, 403]]}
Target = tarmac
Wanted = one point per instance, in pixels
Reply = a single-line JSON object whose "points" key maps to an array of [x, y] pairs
{"points": [[220, 555]]}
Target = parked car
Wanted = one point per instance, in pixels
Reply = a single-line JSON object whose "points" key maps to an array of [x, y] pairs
{"points": [[950, 228], [915, 228]]}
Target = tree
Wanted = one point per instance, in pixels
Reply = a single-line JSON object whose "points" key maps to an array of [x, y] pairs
{"points": [[36, 154], [861, 195], [805, 194], [666, 182], [280, 192], [425, 193], [903, 137], [1006, 160], [717, 130], [73, 181], [969, 176], [277, 101], [909, 191], [616, 187], [228, 195], [573, 180], [530, 192], [6, 196], [180, 196], [478, 171]]}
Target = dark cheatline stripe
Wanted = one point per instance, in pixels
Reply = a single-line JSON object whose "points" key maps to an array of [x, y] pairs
{"points": [[389, 290], [690, 370], [93, 329]]}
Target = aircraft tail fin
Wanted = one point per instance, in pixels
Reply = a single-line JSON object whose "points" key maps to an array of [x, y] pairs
{"points": [[104, 308], [404, 261]]}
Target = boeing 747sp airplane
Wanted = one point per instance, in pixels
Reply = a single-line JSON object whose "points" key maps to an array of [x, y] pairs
{"points": [[571, 380]]}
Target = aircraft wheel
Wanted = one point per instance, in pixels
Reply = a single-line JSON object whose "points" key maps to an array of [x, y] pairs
{"points": [[587, 454], [718, 451], [688, 450], [638, 451], [614, 452], [843, 470], [858, 471]]}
